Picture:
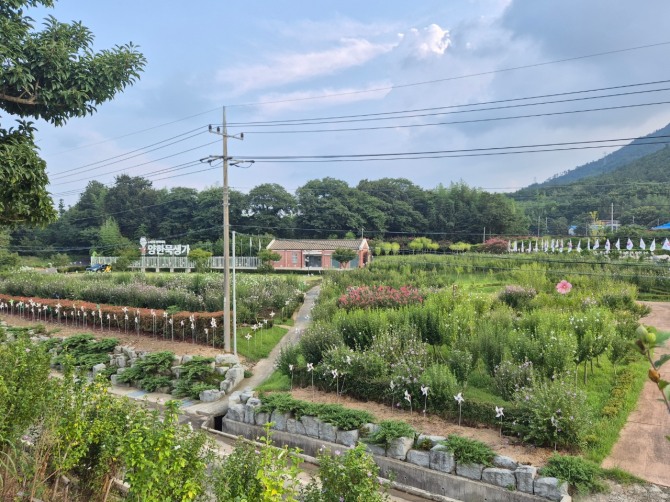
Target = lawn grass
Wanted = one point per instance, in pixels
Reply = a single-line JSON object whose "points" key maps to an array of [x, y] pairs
{"points": [[277, 382], [260, 344], [606, 429]]}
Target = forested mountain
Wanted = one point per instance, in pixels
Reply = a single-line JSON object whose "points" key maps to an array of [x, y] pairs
{"points": [[110, 219], [637, 149], [639, 191]]}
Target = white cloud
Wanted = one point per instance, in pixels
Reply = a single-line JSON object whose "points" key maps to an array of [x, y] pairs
{"points": [[296, 67], [429, 41]]}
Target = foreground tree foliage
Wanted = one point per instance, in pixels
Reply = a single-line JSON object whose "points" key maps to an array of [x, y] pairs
{"points": [[54, 75]]}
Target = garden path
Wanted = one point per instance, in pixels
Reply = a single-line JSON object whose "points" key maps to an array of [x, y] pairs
{"points": [[642, 448]]}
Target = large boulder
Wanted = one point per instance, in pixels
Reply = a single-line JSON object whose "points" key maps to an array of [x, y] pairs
{"points": [[525, 477], [499, 477], [442, 459], [399, 447], [311, 425], [550, 488], [470, 471], [419, 457], [347, 438]]}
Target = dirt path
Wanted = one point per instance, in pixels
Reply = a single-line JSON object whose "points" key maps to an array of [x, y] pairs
{"points": [[642, 448]]}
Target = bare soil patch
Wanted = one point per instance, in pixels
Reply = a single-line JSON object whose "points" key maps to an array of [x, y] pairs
{"points": [[433, 425], [141, 342]]}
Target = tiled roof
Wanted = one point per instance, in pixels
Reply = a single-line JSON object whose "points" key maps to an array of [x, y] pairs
{"points": [[315, 244]]}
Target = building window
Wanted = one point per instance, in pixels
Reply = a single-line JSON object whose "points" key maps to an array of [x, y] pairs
{"points": [[294, 258]]}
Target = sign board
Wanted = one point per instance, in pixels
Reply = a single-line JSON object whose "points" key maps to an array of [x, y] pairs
{"points": [[160, 248]]}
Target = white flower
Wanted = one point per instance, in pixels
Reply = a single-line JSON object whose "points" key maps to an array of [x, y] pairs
{"points": [[499, 412], [424, 390], [459, 398], [181, 323], [310, 367], [408, 397]]}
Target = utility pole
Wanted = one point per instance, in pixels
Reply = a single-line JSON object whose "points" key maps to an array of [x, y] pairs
{"points": [[612, 218], [223, 132]]}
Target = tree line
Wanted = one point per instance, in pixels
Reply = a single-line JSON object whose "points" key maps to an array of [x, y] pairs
{"points": [[106, 219]]}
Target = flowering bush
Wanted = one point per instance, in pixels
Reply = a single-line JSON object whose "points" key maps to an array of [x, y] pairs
{"points": [[553, 413], [365, 297], [517, 297], [495, 245], [563, 287], [509, 378]]}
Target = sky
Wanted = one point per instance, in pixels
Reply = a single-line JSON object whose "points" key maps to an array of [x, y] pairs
{"points": [[384, 80]]}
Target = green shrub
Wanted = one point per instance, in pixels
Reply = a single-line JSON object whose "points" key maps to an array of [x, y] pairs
{"points": [[460, 362], [442, 384], [234, 479], [388, 431], [348, 477], [584, 476], [469, 451], [196, 376], [150, 372], [553, 413], [317, 340]]}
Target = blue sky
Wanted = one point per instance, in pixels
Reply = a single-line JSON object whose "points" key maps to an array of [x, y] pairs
{"points": [[288, 60]]}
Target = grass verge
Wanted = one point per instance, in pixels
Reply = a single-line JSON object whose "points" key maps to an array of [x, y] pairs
{"points": [[260, 342], [276, 382]]}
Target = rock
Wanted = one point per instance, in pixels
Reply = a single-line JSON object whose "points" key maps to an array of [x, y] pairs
{"points": [[295, 427], [279, 420], [121, 361], [311, 425], [176, 371], [225, 386], [221, 370], [368, 430], [442, 459], [235, 375], [235, 412], [499, 477], [262, 418], [176, 360], [186, 358], [347, 438], [166, 390], [120, 370], [374, 449], [399, 447], [246, 395], [429, 441], [227, 359], [250, 408], [211, 395], [525, 478], [99, 368], [550, 488], [234, 398], [327, 432], [115, 381], [470, 471], [419, 457], [505, 462]]}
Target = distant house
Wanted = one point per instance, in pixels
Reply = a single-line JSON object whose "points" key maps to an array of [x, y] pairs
{"points": [[317, 254]]}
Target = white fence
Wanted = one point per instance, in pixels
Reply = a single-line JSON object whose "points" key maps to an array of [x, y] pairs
{"points": [[181, 262]]}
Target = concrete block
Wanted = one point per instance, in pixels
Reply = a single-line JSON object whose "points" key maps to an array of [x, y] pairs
{"points": [[499, 477], [347, 438], [550, 488], [525, 478], [419, 457], [441, 459], [470, 471], [504, 462], [399, 447]]}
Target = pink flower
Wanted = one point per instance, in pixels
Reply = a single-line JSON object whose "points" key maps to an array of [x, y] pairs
{"points": [[563, 287]]}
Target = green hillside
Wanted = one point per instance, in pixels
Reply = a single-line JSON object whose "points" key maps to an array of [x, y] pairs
{"points": [[639, 190], [637, 149]]}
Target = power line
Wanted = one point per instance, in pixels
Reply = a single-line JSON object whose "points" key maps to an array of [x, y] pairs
{"points": [[385, 115]]}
